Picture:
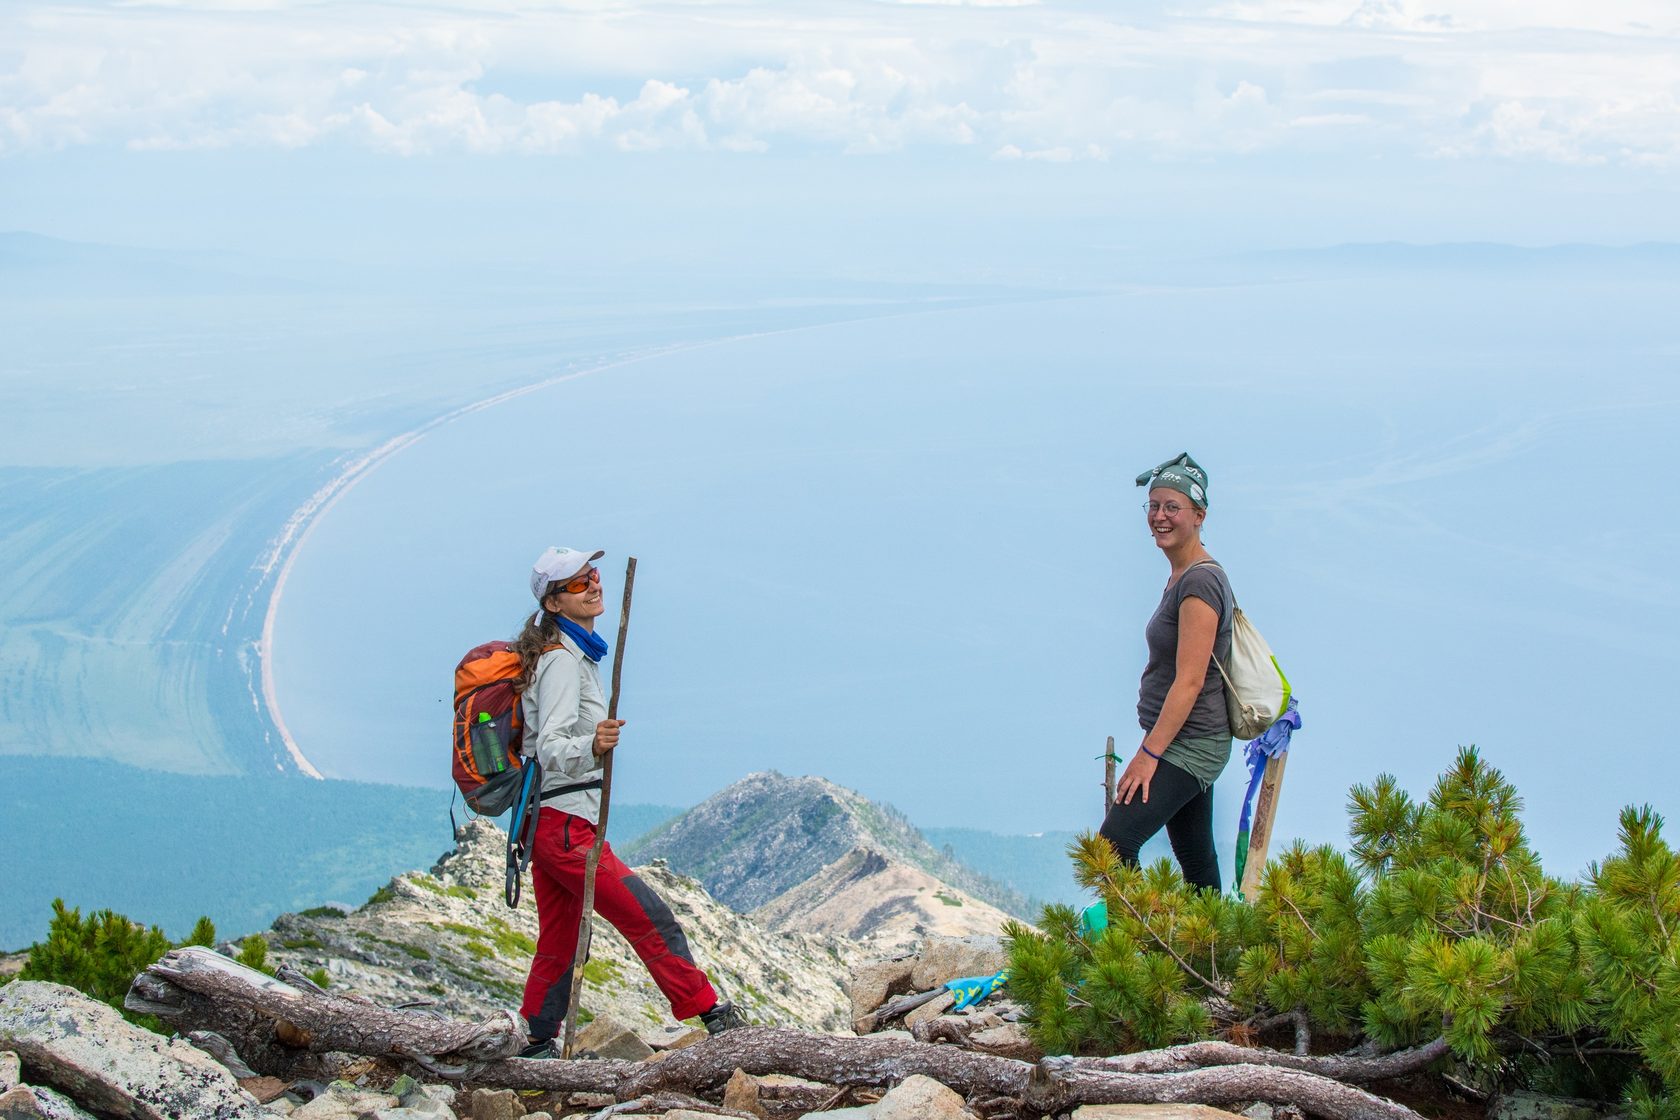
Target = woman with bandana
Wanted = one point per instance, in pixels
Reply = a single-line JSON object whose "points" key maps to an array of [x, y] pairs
{"points": [[564, 713], [1181, 699]]}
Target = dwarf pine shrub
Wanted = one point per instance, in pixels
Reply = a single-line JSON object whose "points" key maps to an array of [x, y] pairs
{"points": [[1439, 922], [100, 955], [1629, 931]]}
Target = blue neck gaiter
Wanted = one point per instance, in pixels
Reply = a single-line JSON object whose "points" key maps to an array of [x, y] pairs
{"points": [[592, 644]]}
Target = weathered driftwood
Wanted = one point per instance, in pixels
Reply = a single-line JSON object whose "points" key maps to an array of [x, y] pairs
{"points": [[200, 990], [1219, 1085], [310, 1020], [905, 1004], [1357, 1069]]}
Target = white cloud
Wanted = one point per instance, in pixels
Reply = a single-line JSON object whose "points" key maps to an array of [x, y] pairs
{"points": [[1551, 80]]}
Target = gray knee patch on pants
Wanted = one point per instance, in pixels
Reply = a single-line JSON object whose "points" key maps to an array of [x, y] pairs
{"points": [[659, 913]]}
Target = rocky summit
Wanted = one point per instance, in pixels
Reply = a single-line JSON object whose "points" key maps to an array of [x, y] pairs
{"points": [[804, 854], [446, 939], [882, 903]]}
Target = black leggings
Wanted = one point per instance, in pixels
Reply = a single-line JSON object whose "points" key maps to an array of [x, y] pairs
{"points": [[1177, 800]]}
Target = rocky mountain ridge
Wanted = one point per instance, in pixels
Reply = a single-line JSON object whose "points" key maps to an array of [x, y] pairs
{"points": [[809, 855], [445, 939], [883, 904]]}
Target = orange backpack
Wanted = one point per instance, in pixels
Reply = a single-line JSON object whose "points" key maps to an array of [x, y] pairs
{"points": [[489, 766], [488, 729]]}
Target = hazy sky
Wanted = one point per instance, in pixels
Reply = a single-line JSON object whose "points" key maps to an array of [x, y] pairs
{"points": [[831, 132]]}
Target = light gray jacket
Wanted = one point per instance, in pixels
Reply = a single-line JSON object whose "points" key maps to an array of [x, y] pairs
{"points": [[560, 708]]}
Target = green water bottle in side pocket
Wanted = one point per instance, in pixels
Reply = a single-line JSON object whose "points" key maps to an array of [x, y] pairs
{"points": [[488, 752]]}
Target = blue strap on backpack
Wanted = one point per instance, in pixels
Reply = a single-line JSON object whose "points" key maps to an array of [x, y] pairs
{"points": [[522, 829]]}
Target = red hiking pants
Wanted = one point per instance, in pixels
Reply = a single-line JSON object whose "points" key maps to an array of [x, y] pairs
{"points": [[558, 856]]}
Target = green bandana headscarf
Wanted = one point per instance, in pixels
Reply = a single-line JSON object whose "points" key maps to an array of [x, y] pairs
{"points": [[1183, 474]]}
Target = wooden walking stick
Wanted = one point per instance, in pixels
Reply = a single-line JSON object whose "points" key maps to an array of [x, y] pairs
{"points": [[1260, 828], [1108, 778], [585, 925]]}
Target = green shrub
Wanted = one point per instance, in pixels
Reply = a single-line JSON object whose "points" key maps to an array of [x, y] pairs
{"points": [[101, 954], [253, 953], [322, 912], [1442, 924]]}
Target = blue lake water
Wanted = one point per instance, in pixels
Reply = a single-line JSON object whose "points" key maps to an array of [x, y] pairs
{"points": [[907, 553]]}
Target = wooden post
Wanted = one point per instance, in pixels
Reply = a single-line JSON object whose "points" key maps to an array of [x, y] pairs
{"points": [[586, 926], [1260, 827], [1108, 778]]}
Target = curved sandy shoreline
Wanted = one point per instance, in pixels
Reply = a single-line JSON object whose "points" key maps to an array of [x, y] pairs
{"points": [[283, 550]]}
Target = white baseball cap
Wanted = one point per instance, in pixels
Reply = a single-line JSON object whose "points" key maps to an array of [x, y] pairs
{"points": [[558, 564]]}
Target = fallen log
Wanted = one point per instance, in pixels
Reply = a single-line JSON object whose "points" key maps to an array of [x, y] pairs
{"points": [[1057, 1090], [269, 1023], [254, 1008], [1054, 1085], [1358, 1069]]}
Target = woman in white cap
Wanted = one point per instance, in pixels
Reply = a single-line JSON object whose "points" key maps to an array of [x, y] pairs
{"points": [[565, 718], [1181, 698]]}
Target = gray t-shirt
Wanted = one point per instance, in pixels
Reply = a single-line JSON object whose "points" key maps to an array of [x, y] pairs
{"points": [[1207, 582]]}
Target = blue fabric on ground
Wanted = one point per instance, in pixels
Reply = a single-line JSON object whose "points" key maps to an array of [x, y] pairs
{"points": [[972, 989]]}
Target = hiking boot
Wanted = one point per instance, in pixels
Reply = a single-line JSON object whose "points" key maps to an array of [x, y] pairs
{"points": [[540, 1048], [722, 1018]]}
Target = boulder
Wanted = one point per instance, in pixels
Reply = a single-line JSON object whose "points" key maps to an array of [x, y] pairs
{"points": [[1524, 1105], [11, 1071], [930, 1011], [495, 1104], [953, 958], [57, 1106], [264, 1089], [342, 1106], [869, 986], [346, 1099], [920, 1098], [327, 1107], [1005, 1008], [20, 1104], [433, 1100], [741, 1093], [34, 1101], [606, 1037], [87, 1049]]}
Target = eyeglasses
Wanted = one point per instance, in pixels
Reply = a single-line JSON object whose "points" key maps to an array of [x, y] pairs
{"points": [[578, 584], [1171, 509]]}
